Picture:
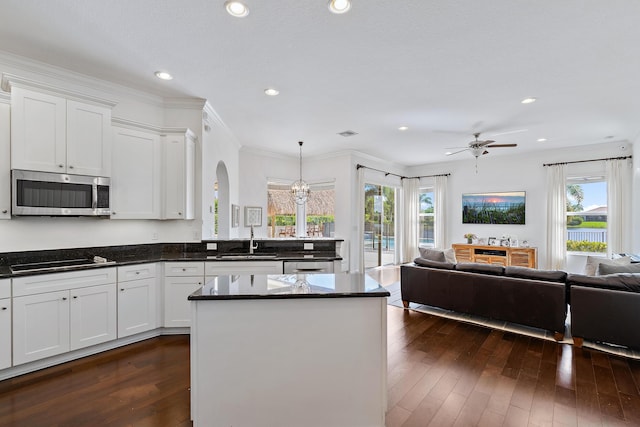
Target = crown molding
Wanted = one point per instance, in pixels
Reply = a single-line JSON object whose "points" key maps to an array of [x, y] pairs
{"points": [[11, 80], [146, 127], [185, 103]]}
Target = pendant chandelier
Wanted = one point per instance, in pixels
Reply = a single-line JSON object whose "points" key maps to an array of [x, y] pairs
{"points": [[300, 189]]}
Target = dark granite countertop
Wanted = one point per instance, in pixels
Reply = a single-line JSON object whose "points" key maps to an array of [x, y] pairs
{"points": [[132, 258], [261, 286]]}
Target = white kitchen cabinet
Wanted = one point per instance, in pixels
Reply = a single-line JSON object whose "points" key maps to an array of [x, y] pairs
{"points": [[93, 315], [5, 166], [40, 326], [51, 133], [137, 299], [178, 153], [214, 268], [59, 312], [5, 323], [181, 279], [136, 181]]}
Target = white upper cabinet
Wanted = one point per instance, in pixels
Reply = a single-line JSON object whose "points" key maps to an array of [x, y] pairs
{"points": [[88, 139], [136, 180], [5, 167], [178, 151], [59, 132]]}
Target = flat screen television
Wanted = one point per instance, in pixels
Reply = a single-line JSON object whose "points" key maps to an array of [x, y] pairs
{"points": [[493, 208]]}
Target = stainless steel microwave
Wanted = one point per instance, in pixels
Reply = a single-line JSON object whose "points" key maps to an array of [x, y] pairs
{"points": [[56, 194]]}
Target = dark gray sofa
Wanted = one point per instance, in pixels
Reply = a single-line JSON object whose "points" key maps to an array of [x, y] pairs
{"points": [[605, 308], [536, 298]]}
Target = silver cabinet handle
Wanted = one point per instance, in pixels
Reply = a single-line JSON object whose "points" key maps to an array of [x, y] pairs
{"points": [[4, 308], [64, 298], [75, 297], [60, 165], [137, 272], [70, 167], [121, 289], [179, 213], [4, 211]]}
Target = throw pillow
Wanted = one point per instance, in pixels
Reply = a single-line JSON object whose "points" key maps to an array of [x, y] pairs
{"points": [[450, 255], [591, 268], [434, 264], [432, 254], [605, 269]]}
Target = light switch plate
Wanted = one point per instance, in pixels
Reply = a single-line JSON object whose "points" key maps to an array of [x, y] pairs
{"points": [[308, 246], [212, 246]]}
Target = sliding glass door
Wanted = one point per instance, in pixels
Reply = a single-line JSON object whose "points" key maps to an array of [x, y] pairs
{"points": [[379, 225]]}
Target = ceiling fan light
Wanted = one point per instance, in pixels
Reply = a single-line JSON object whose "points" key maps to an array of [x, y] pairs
{"points": [[529, 100]]}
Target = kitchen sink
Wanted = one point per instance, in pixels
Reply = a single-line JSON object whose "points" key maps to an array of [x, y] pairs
{"points": [[246, 256]]}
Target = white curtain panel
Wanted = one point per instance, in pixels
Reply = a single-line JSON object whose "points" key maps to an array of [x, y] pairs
{"points": [[410, 229], [440, 201], [618, 176], [556, 217], [360, 221]]}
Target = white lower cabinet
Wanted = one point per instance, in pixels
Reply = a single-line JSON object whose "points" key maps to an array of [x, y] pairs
{"points": [[181, 279], [5, 323], [60, 312], [137, 299]]}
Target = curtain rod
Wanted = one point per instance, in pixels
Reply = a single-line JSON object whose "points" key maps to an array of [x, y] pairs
{"points": [[585, 161], [358, 166]]}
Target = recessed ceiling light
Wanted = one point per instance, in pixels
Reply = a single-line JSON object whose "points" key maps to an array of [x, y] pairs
{"points": [[448, 153], [271, 91], [403, 128], [528, 100], [163, 75], [339, 6], [542, 139], [236, 8]]}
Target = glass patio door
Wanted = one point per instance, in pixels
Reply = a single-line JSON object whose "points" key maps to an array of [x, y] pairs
{"points": [[379, 225]]}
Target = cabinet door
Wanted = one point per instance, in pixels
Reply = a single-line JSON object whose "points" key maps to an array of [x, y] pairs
{"points": [[5, 166], [136, 306], [136, 177], [92, 315], [88, 139], [38, 131], [177, 308], [40, 326], [178, 159], [5, 333]]}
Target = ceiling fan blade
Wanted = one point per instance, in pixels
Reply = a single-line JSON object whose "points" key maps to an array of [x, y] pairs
{"points": [[483, 143], [456, 152], [502, 145]]}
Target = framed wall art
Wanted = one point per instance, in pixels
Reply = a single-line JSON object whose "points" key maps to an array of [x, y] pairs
{"points": [[235, 216], [252, 216]]}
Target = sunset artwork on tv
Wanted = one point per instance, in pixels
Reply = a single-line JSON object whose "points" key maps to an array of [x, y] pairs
{"points": [[493, 208]]}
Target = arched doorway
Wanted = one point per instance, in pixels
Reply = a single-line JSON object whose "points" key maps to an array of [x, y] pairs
{"points": [[224, 206]]}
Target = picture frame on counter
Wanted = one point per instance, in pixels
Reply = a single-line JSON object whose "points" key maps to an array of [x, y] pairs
{"points": [[235, 216], [252, 216]]}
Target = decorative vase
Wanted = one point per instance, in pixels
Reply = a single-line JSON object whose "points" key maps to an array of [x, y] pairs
{"points": [[469, 240]]}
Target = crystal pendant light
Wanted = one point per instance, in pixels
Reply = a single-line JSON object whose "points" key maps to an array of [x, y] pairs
{"points": [[300, 189]]}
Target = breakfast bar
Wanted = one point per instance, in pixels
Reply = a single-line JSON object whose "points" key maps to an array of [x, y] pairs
{"points": [[289, 350]]}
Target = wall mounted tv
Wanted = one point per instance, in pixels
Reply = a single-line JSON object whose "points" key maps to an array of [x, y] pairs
{"points": [[493, 208]]}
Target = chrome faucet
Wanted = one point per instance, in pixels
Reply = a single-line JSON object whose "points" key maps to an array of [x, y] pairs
{"points": [[252, 247]]}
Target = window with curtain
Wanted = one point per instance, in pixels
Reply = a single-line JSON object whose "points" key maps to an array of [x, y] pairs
{"points": [[587, 214], [426, 217]]}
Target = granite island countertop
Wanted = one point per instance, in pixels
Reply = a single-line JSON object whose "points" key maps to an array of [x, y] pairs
{"points": [[284, 286]]}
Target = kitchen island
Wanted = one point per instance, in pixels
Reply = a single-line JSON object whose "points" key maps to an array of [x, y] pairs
{"points": [[289, 350]]}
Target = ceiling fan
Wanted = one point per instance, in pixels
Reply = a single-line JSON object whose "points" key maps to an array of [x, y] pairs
{"points": [[478, 148]]}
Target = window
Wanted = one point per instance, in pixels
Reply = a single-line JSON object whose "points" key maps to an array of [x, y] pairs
{"points": [[587, 214], [426, 217], [281, 210]]}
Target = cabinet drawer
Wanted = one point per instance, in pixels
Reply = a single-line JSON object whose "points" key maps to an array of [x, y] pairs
{"points": [[174, 269], [5, 288], [135, 272], [63, 281], [250, 267]]}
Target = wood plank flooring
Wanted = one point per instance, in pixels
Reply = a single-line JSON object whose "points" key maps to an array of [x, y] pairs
{"points": [[441, 372]]}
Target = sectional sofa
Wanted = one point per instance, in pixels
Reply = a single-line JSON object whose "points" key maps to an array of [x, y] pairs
{"points": [[604, 308]]}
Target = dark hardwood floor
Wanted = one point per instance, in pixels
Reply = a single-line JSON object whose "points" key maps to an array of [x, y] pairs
{"points": [[441, 373]]}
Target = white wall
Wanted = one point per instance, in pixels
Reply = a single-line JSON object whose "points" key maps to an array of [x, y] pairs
{"points": [[32, 233], [516, 172]]}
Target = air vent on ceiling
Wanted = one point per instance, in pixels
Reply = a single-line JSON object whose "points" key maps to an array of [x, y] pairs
{"points": [[347, 133]]}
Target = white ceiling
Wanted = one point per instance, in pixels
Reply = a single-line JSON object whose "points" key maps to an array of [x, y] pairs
{"points": [[443, 68]]}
